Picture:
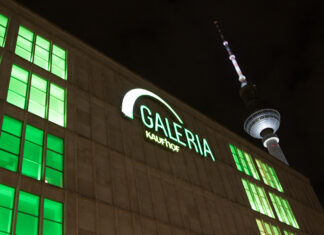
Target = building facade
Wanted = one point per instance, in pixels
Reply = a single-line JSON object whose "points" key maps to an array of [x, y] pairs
{"points": [[88, 147]]}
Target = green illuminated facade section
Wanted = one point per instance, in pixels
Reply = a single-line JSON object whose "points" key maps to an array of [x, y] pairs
{"points": [[267, 228], [257, 198], [283, 210], [28, 213], [53, 218], [10, 143], [42, 52], [7, 195], [45, 99], [288, 233], [33, 153], [244, 162], [269, 175], [54, 161], [3, 29], [35, 164]]}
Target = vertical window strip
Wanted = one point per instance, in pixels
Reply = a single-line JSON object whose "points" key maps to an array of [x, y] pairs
{"points": [[244, 162], [10, 143], [53, 218], [283, 210], [17, 93], [56, 111], [269, 175], [288, 233], [38, 96], [3, 29], [257, 198], [33, 153], [58, 65], [42, 52], [24, 45], [54, 161], [28, 213], [267, 228], [7, 195]]}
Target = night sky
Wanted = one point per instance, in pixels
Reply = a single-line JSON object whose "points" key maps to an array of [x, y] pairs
{"points": [[173, 44]]}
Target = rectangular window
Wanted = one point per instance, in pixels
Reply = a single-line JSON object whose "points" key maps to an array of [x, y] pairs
{"points": [[283, 210], [10, 143], [17, 93], [38, 95], [53, 218], [28, 212], [3, 29], [41, 52], [288, 233], [58, 66], [56, 111], [33, 153], [267, 228], [24, 45], [257, 198], [7, 195], [244, 162], [48, 105], [54, 161], [269, 175]]}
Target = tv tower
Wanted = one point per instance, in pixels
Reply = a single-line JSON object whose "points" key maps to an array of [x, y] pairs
{"points": [[261, 122]]}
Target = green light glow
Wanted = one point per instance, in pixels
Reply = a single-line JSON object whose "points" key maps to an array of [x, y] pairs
{"points": [[267, 228], [24, 45], [269, 175], [56, 112], [3, 29], [131, 97], [38, 96], [7, 195]]}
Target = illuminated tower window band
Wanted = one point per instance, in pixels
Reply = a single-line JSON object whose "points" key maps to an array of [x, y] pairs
{"points": [[41, 52], [45, 99]]}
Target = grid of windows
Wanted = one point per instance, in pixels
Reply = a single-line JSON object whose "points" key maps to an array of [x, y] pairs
{"points": [[32, 162], [10, 143], [41, 52], [3, 29], [257, 198], [267, 228], [244, 162], [28, 213], [269, 175], [283, 210], [49, 105]]}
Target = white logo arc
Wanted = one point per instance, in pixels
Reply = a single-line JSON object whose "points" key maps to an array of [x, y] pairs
{"points": [[131, 97]]}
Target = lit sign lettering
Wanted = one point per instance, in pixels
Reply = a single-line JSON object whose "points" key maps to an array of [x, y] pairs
{"points": [[171, 130]]}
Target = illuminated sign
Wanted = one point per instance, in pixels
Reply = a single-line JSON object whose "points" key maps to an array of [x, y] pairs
{"points": [[173, 131]]}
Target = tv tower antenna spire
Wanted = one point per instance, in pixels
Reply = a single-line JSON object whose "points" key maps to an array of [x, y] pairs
{"points": [[241, 77], [261, 122]]}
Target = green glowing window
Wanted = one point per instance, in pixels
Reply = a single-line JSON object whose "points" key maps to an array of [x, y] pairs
{"points": [[41, 52], [54, 161], [17, 93], [58, 66], [37, 97], [53, 218], [24, 46], [269, 175], [32, 158], [257, 198], [267, 228], [28, 212], [48, 105], [56, 111], [288, 233], [10, 143], [3, 29], [283, 210], [7, 195], [244, 162]]}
